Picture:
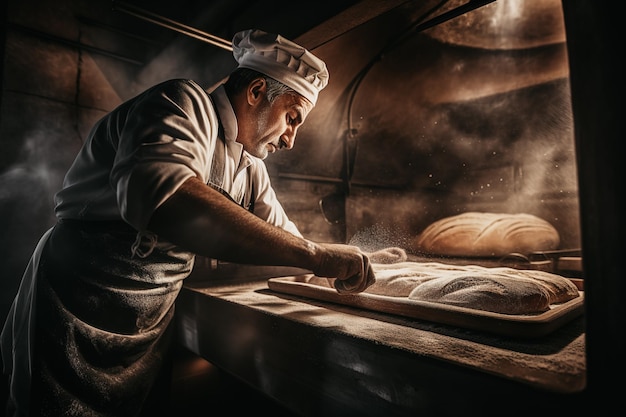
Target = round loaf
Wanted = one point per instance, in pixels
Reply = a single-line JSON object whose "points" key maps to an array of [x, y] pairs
{"points": [[482, 234]]}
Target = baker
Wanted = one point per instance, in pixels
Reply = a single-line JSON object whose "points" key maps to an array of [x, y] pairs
{"points": [[170, 174]]}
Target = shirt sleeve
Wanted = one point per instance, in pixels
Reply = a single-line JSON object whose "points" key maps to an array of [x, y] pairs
{"points": [[266, 204], [167, 137]]}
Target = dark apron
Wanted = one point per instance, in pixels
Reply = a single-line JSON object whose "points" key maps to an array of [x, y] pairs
{"points": [[103, 317], [102, 320]]}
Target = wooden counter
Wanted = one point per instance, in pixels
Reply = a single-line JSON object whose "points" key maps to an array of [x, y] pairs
{"points": [[327, 359]]}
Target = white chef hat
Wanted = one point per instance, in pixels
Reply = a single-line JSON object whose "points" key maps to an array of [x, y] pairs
{"points": [[281, 59]]}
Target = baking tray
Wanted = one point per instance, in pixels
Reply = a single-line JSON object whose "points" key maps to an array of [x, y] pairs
{"points": [[524, 326]]}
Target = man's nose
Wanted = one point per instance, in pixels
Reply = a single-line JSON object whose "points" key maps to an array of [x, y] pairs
{"points": [[287, 140]]}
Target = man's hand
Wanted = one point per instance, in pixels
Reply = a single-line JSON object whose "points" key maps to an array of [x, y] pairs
{"points": [[348, 265]]}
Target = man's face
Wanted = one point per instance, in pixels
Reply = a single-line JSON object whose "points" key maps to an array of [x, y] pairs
{"points": [[273, 126]]}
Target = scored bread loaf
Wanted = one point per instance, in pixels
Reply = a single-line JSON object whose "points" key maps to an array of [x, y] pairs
{"points": [[399, 279], [484, 234], [499, 290], [502, 294]]}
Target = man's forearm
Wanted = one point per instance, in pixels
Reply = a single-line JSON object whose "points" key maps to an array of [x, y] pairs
{"points": [[202, 220]]}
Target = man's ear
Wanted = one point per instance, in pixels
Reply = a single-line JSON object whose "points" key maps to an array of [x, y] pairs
{"points": [[256, 90]]}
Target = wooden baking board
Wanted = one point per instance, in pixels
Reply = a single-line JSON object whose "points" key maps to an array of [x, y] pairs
{"points": [[524, 326]]}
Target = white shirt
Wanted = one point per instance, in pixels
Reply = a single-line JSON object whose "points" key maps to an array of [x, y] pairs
{"points": [[139, 154]]}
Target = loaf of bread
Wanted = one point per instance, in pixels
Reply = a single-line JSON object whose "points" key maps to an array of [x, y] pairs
{"points": [[502, 294], [496, 289], [483, 234], [399, 279], [499, 290]]}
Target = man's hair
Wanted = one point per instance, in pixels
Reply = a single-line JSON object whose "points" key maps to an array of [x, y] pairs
{"points": [[240, 78]]}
